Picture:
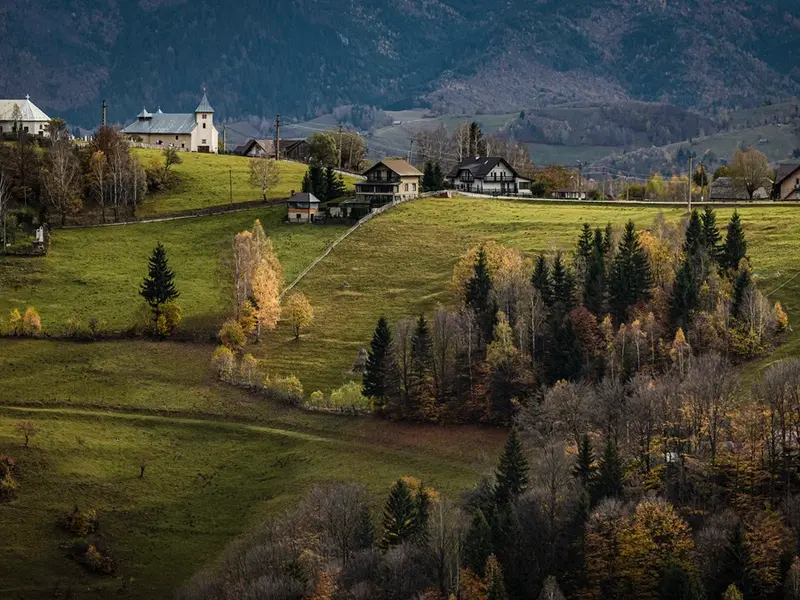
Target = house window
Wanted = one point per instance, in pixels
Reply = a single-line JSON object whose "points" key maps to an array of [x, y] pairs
{"points": [[204, 125], [204, 116], [413, 187], [183, 145], [26, 129], [176, 138], [41, 126], [406, 188], [203, 141]]}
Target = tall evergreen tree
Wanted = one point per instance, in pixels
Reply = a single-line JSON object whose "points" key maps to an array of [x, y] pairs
{"points": [[685, 296], [679, 584], [584, 250], [380, 353], [334, 185], [741, 284], [399, 516], [365, 533], [480, 297], [585, 469], [711, 236], [541, 280], [315, 181], [422, 510], [305, 187], [735, 247], [630, 279], [512, 471], [438, 177], [158, 287], [562, 349], [428, 178], [477, 543], [563, 285], [421, 366], [693, 242], [608, 239], [595, 286], [609, 473]]}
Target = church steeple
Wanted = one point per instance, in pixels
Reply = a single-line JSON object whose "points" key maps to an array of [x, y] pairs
{"points": [[204, 106]]}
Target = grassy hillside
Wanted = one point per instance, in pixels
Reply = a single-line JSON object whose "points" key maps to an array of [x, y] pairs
{"points": [[211, 180]]}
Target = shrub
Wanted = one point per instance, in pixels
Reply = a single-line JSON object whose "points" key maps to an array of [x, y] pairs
{"points": [[15, 322], [31, 323], [169, 319], [781, 318], [224, 362], [75, 328], [284, 389], [231, 335], [249, 371], [88, 555], [80, 522], [349, 396], [317, 399]]}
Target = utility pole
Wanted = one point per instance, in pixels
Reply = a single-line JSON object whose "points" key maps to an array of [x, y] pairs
{"points": [[691, 164], [230, 184], [340, 146], [278, 137], [580, 179], [410, 150], [224, 138], [105, 106]]}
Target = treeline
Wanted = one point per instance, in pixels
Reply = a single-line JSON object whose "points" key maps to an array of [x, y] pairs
{"points": [[624, 303], [323, 182]]}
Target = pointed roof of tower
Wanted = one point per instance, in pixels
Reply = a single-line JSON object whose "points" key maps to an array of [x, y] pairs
{"points": [[204, 106]]}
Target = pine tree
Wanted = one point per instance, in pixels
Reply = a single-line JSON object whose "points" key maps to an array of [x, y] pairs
{"points": [[480, 297], [422, 509], [679, 584], [314, 181], [380, 352], [512, 471], [741, 284], [421, 367], [495, 583], [609, 473], [735, 247], [608, 239], [334, 184], [732, 593], [306, 185], [477, 543], [694, 235], [365, 534], [158, 287], [541, 280], [630, 278], [685, 296], [438, 177], [585, 469], [563, 285], [428, 181], [399, 516], [595, 286], [711, 236], [585, 241], [562, 350]]}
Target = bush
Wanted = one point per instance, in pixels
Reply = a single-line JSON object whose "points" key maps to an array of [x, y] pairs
{"points": [[80, 522], [349, 396], [287, 389], [316, 399], [31, 323], [169, 319], [249, 371], [224, 362], [232, 336], [88, 555], [15, 322]]}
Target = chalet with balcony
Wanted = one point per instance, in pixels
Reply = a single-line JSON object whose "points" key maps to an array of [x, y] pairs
{"points": [[388, 181], [787, 181], [486, 175]]}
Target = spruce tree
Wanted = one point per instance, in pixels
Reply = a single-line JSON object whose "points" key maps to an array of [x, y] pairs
{"points": [[585, 469], [334, 185], [563, 285], [365, 533], [693, 242], [562, 349], [685, 296], [711, 236], [421, 366], [584, 250], [306, 185], [735, 247], [541, 280], [438, 177], [380, 352], [512, 471], [677, 583], [480, 297], [314, 181], [477, 543], [422, 509], [608, 239], [158, 287], [595, 286], [741, 284], [630, 279], [609, 473], [399, 516], [428, 181]]}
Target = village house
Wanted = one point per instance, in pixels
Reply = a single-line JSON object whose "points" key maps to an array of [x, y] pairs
{"points": [[192, 132], [387, 181], [569, 194], [787, 181], [303, 208], [24, 116], [486, 175], [725, 189], [298, 150]]}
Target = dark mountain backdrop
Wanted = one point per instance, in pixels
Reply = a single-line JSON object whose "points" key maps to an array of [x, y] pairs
{"points": [[304, 57]]}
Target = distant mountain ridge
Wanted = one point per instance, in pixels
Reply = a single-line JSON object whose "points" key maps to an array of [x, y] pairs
{"points": [[306, 57]]}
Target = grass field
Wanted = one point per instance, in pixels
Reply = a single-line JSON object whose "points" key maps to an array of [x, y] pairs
{"points": [[212, 180], [218, 458], [97, 272]]}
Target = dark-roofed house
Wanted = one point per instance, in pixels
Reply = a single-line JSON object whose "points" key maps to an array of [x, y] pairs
{"points": [[298, 150], [486, 175], [725, 189], [193, 132], [303, 208], [787, 181], [387, 181]]}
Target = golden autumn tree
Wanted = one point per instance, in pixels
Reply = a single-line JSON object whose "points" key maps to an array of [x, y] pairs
{"points": [[501, 262], [680, 352], [298, 312], [766, 539]]}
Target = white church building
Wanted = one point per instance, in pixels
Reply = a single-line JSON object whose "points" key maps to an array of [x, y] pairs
{"points": [[191, 132], [22, 114]]}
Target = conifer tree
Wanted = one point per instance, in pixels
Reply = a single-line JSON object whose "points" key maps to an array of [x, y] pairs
{"points": [[334, 184], [585, 469], [438, 177], [608, 239], [158, 287], [609, 473], [711, 235], [585, 240], [305, 187], [422, 509], [595, 286], [679, 584], [741, 284], [685, 295], [315, 182], [732, 593], [428, 178], [399, 516], [477, 543], [541, 280], [380, 353], [421, 366], [735, 247], [512, 471], [630, 278], [480, 297], [563, 285], [495, 583], [365, 533], [562, 351], [694, 235]]}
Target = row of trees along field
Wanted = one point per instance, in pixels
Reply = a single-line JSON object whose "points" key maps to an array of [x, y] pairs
{"points": [[679, 485], [625, 303]]}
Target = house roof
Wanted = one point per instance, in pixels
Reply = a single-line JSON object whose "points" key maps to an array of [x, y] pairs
{"points": [[204, 106], [304, 198], [163, 123], [28, 111], [785, 170], [480, 166], [268, 146], [724, 188], [398, 166]]}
